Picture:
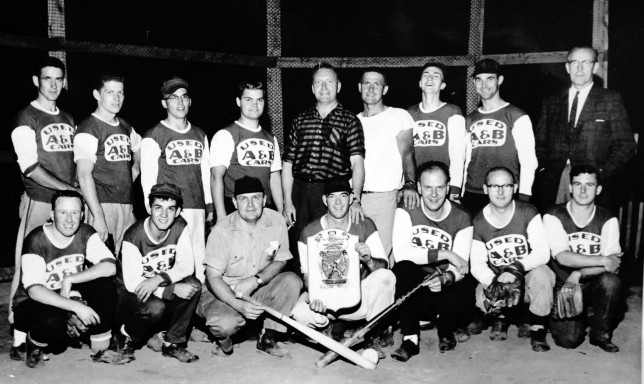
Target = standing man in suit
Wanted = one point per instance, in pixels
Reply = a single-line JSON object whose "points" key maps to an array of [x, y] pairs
{"points": [[584, 124]]}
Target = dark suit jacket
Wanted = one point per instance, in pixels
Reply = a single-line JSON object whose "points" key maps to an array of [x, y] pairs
{"points": [[603, 138]]}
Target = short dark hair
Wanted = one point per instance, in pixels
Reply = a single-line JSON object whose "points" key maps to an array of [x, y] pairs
{"points": [[438, 65], [251, 85], [376, 70], [578, 47], [504, 169], [66, 193], [431, 166], [577, 170], [153, 198], [48, 61], [324, 65], [100, 83]]}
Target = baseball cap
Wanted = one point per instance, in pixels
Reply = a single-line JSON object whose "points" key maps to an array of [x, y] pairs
{"points": [[487, 66], [248, 184], [169, 86], [168, 191], [337, 186]]}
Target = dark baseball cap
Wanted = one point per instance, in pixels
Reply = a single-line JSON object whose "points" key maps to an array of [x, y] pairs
{"points": [[248, 184], [168, 191], [337, 186], [487, 66], [170, 86]]}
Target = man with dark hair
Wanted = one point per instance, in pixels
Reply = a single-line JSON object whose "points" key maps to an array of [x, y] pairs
{"points": [[584, 240], [246, 254], [389, 161], [509, 254], [156, 278], [585, 124], [439, 128], [106, 151], [66, 271], [245, 149], [325, 143], [499, 134], [42, 139], [436, 236], [176, 152]]}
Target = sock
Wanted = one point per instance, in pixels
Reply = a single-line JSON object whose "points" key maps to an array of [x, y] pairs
{"points": [[100, 342], [538, 322], [19, 338], [412, 338]]}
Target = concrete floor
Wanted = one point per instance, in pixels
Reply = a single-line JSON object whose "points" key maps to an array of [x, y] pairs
{"points": [[477, 361]]}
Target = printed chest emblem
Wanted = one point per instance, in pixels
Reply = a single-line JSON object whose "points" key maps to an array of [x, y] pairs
{"points": [[505, 250], [57, 138], [585, 243], [488, 133], [255, 153], [117, 148], [428, 237], [159, 260], [183, 152], [63, 266], [429, 133]]}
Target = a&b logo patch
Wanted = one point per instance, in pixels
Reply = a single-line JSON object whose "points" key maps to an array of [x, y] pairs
{"points": [[429, 133], [428, 237], [255, 153], [63, 266], [117, 148], [57, 138], [159, 260], [585, 243], [183, 152], [505, 250], [488, 133]]}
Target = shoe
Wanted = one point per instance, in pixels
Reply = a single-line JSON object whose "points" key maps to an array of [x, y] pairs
{"points": [[606, 345], [267, 344], [499, 330], [406, 350], [34, 354], [538, 340], [477, 325], [155, 342], [461, 334], [387, 337], [447, 343], [18, 353], [126, 346], [111, 357], [222, 347], [375, 344], [425, 325], [199, 336], [524, 331], [179, 353]]}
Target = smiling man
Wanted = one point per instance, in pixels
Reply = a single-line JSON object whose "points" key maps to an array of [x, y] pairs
{"points": [[106, 151]]}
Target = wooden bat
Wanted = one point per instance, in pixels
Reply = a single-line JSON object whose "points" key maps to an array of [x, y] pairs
{"points": [[328, 342], [359, 335]]}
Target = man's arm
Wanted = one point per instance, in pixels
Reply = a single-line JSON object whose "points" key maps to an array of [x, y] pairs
{"points": [[221, 151], [540, 250], [541, 137], [405, 142], [478, 261], [103, 269], [135, 145], [357, 182], [205, 179], [217, 188], [84, 169], [224, 293], [622, 143], [459, 261], [150, 153], [287, 188], [276, 190], [524, 140], [456, 148]]}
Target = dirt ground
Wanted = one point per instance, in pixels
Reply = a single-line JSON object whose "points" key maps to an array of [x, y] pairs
{"points": [[477, 361]]}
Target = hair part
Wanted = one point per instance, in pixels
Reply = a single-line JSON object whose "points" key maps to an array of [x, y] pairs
{"points": [[433, 166], [105, 78], [584, 168], [66, 193], [49, 61], [503, 169]]}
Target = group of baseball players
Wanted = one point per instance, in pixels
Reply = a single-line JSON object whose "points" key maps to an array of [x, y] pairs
{"points": [[432, 197]]}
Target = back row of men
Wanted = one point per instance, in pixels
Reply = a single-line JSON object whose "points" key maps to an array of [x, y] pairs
{"points": [[377, 150]]}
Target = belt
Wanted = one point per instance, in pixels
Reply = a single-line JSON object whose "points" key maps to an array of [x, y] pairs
{"points": [[367, 192]]}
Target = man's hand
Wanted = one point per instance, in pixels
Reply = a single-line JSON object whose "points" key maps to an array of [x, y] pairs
{"points": [[184, 290], [455, 197], [435, 284], [147, 287], [65, 288], [315, 305], [86, 314], [356, 212], [409, 196], [612, 262], [506, 277], [461, 265], [249, 310], [100, 225], [289, 213], [364, 252], [246, 287], [572, 280]]}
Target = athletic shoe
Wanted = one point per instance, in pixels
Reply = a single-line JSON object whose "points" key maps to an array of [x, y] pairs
{"points": [[499, 330], [447, 343], [179, 353], [18, 353], [33, 355], [155, 342], [606, 345], [461, 334], [406, 350], [267, 344], [538, 340]]}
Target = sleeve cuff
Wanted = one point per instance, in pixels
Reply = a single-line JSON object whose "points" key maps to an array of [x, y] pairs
{"points": [[522, 197], [518, 266], [31, 168], [166, 278], [167, 292], [432, 256]]}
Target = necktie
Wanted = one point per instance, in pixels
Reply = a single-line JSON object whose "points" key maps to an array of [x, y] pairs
{"points": [[572, 117]]}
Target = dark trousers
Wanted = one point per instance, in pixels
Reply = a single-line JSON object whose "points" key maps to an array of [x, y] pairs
{"points": [[141, 318], [307, 199], [449, 304], [47, 324], [602, 292]]}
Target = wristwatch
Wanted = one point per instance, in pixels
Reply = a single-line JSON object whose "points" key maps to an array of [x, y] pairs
{"points": [[259, 280]]}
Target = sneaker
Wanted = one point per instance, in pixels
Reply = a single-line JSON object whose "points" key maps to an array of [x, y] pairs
{"points": [[126, 346], [18, 353], [524, 331], [375, 344], [406, 350], [155, 342], [477, 325], [538, 340], [179, 353], [447, 343], [267, 344], [606, 345], [222, 347], [461, 334], [33, 355], [499, 330]]}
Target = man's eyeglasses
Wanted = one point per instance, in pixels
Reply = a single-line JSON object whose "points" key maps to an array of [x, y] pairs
{"points": [[585, 64], [175, 98], [495, 187]]}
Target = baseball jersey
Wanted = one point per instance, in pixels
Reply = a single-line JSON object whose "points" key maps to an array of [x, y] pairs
{"points": [[246, 152], [501, 137], [383, 164], [44, 138], [439, 135], [365, 230], [110, 147], [418, 238], [597, 237], [520, 242], [180, 158], [46, 262], [142, 258]]}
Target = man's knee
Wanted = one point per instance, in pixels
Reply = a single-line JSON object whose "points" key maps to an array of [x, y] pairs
{"points": [[226, 326], [289, 283], [384, 279], [404, 268], [610, 283], [153, 309]]}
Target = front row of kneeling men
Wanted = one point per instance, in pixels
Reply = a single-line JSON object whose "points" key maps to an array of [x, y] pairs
{"points": [[67, 272]]}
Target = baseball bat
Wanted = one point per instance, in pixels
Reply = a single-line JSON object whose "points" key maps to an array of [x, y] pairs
{"points": [[328, 342], [359, 335]]}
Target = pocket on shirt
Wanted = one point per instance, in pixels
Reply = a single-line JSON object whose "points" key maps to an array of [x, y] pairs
{"points": [[335, 137], [236, 267]]}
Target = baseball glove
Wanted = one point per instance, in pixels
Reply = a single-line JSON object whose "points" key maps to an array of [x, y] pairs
{"points": [[568, 302], [111, 357], [75, 327], [500, 295]]}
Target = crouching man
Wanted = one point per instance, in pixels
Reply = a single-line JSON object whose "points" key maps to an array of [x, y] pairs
{"points": [[57, 287], [156, 278]]}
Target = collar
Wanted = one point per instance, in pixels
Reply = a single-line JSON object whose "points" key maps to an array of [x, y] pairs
{"points": [[39, 107], [259, 127], [583, 92], [188, 126], [446, 212], [324, 222]]}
